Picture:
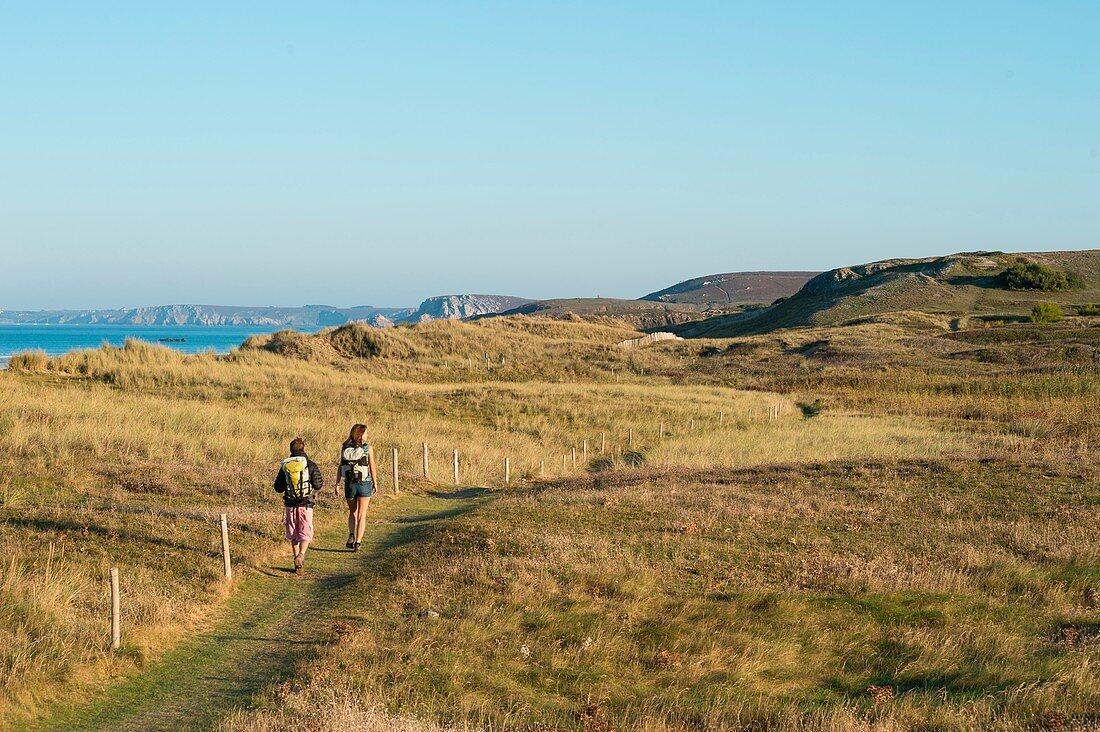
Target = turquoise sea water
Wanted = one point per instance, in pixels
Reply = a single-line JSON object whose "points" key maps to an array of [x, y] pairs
{"points": [[58, 339]]}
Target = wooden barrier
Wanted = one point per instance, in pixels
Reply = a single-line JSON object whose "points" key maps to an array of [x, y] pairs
{"points": [[648, 339], [226, 561], [116, 604]]}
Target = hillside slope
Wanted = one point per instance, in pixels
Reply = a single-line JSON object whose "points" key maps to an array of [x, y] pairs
{"points": [[956, 285], [639, 314], [733, 288]]}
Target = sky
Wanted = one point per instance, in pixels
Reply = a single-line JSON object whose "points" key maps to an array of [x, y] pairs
{"points": [[258, 153]]}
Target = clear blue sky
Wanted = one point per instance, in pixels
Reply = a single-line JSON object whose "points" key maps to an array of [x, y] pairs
{"points": [[379, 153]]}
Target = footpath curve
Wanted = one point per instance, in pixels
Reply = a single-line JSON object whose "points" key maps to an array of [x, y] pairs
{"points": [[271, 624]]}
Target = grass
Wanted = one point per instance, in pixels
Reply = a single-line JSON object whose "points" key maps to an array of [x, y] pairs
{"points": [[913, 521], [749, 598]]}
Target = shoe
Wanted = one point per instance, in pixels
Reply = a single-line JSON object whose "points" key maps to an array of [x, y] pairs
{"points": [[299, 565], [356, 547], [351, 542]]}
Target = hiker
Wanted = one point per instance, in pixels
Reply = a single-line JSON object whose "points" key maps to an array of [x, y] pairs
{"points": [[299, 480], [357, 471]]}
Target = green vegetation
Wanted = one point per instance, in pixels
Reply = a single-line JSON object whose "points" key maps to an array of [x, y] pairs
{"points": [[960, 286], [1046, 312], [1025, 275], [883, 525], [1089, 309]]}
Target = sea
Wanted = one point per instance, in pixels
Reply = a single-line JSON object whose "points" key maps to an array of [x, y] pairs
{"points": [[58, 339]]}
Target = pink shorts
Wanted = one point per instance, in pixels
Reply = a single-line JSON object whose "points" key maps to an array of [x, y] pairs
{"points": [[299, 523]]}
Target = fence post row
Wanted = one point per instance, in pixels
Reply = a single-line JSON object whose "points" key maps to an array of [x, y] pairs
{"points": [[228, 564], [116, 631]]}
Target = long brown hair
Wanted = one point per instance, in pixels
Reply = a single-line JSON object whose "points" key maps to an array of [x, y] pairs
{"points": [[355, 437]]}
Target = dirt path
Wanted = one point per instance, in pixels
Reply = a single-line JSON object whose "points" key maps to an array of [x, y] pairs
{"points": [[273, 622]]}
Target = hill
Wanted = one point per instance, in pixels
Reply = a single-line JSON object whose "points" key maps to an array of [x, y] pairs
{"points": [[306, 315], [434, 308], [959, 285], [733, 288], [639, 314]]}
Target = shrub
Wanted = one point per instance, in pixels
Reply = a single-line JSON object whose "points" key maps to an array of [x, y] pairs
{"points": [[1035, 276], [29, 361], [359, 340], [1046, 312], [1088, 309]]}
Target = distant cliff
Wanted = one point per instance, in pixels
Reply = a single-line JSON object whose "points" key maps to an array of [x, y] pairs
{"points": [[434, 308], [307, 315], [446, 307]]}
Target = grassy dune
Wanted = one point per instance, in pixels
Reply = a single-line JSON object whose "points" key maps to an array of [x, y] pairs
{"points": [[908, 540], [728, 598]]}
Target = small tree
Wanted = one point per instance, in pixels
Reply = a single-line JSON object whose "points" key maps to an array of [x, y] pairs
{"points": [[1046, 312]]}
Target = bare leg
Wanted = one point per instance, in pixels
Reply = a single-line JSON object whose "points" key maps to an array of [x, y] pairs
{"points": [[361, 523], [302, 550], [352, 517]]}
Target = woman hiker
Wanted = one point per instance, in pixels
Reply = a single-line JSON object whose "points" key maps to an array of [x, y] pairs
{"points": [[299, 480], [357, 471]]}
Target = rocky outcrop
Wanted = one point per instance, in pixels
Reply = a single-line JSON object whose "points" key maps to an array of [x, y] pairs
{"points": [[449, 307], [837, 280]]}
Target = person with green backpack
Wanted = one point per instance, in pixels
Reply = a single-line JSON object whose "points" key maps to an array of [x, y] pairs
{"points": [[299, 480]]}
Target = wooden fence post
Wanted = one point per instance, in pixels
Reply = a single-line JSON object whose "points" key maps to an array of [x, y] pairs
{"points": [[630, 437], [454, 460], [573, 452], [721, 417], [691, 424], [542, 468], [661, 431], [396, 478], [225, 549], [116, 629], [603, 442], [584, 452], [424, 465], [507, 471]]}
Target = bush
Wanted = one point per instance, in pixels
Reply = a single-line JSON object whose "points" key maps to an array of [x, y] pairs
{"points": [[1035, 276], [1088, 309], [29, 361], [1046, 312]]}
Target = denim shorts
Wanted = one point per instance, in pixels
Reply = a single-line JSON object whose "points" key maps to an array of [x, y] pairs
{"points": [[358, 490]]}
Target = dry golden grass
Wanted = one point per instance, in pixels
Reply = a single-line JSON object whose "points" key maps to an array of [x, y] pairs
{"points": [[125, 456], [896, 595]]}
